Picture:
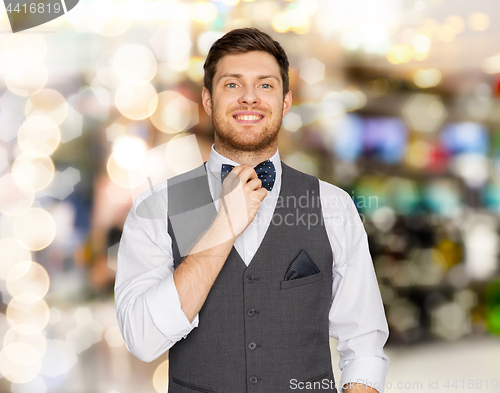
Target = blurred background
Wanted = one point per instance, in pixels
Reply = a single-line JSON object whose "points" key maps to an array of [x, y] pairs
{"points": [[395, 101]]}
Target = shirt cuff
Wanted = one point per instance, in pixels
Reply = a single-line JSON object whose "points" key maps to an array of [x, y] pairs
{"points": [[370, 371], [165, 308]]}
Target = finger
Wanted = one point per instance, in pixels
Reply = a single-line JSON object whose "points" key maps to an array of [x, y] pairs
{"points": [[241, 169], [230, 182], [238, 169], [232, 179], [247, 174], [242, 173], [259, 194], [254, 184]]}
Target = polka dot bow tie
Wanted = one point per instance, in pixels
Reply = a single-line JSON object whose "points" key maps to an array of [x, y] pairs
{"points": [[265, 172]]}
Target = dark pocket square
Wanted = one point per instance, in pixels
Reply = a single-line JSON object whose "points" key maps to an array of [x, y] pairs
{"points": [[302, 266]]}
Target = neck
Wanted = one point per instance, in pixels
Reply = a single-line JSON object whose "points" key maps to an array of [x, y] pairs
{"points": [[251, 158]]}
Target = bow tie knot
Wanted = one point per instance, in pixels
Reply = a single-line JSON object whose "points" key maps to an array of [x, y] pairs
{"points": [[265, 172]]}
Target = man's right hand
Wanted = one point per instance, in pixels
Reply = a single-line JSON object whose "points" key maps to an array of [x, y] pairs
{"points": [[241, 196]]}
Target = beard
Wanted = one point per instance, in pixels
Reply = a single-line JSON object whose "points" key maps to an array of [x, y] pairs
{"points": [[246, 137]]}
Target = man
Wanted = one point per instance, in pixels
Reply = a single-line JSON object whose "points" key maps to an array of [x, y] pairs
{"points": [[244, 276]]}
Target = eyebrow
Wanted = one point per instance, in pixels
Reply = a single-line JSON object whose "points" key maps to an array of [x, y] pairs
{"points": [[239, 76]]}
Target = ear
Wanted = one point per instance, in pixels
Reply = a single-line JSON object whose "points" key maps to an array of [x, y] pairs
{"points": [[206, 100], [287, 103]]}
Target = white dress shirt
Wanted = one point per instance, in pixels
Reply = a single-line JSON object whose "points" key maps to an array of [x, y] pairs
{"points": [[148, 306]]}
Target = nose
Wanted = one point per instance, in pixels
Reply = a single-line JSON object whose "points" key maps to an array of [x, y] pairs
{"points": [[249, 96]]}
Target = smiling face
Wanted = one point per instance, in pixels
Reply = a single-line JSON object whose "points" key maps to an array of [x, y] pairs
{"points": [[247, 103]]}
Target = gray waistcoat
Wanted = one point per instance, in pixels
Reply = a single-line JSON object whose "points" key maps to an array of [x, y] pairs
{"points": [[257, 332]]}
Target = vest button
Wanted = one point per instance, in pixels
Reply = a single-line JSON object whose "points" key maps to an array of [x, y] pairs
{"points": [[251, 312], [253, 379], [250, 278], [252, 346]]}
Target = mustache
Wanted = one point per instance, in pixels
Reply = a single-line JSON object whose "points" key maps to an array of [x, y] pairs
{"points": [[248, 108]]}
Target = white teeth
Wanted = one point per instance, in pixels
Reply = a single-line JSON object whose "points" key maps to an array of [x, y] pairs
{"points": [[249, 117]]}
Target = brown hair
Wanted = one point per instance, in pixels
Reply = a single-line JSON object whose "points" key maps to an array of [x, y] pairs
{"points": [[242, 41]]}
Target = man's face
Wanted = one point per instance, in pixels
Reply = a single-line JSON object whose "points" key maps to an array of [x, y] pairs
{"points": [[247, 103]]}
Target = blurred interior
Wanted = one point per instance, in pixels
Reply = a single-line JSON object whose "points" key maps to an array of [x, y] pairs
{"points": [[395, 101]]}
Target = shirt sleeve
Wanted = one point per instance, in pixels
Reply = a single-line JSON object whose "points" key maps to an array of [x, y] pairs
{"points": [[357, 318], [147, 302]]}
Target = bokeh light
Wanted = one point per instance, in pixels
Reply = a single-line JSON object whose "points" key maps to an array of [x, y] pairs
{"points": [[33, 173], [20, 51], [114, 337], [35, 228], [27, 81], [491, 65], [105, 18], [123, 177], [478, 21], [115, 131], [134, 62], [421, 46], [424, 112], [174, 112], [447, 33], [450, 321], [427, 78], [456, 22], [160, 378], [59, 358], [481, 245], [379, 87], [18, 363], [312, 71], [47, 102], [472, 167], [195, 69], [418, 154], [12, 252], [87, 332], [172, 44], [425, 267], [38, 136], [28, 309], [136, 99], [28, 277], [183, 154], [204, 12], [128, 151], [403, 315], [30, 335], [206, 39], [400, 54], [14, 199], [292, 121]]}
